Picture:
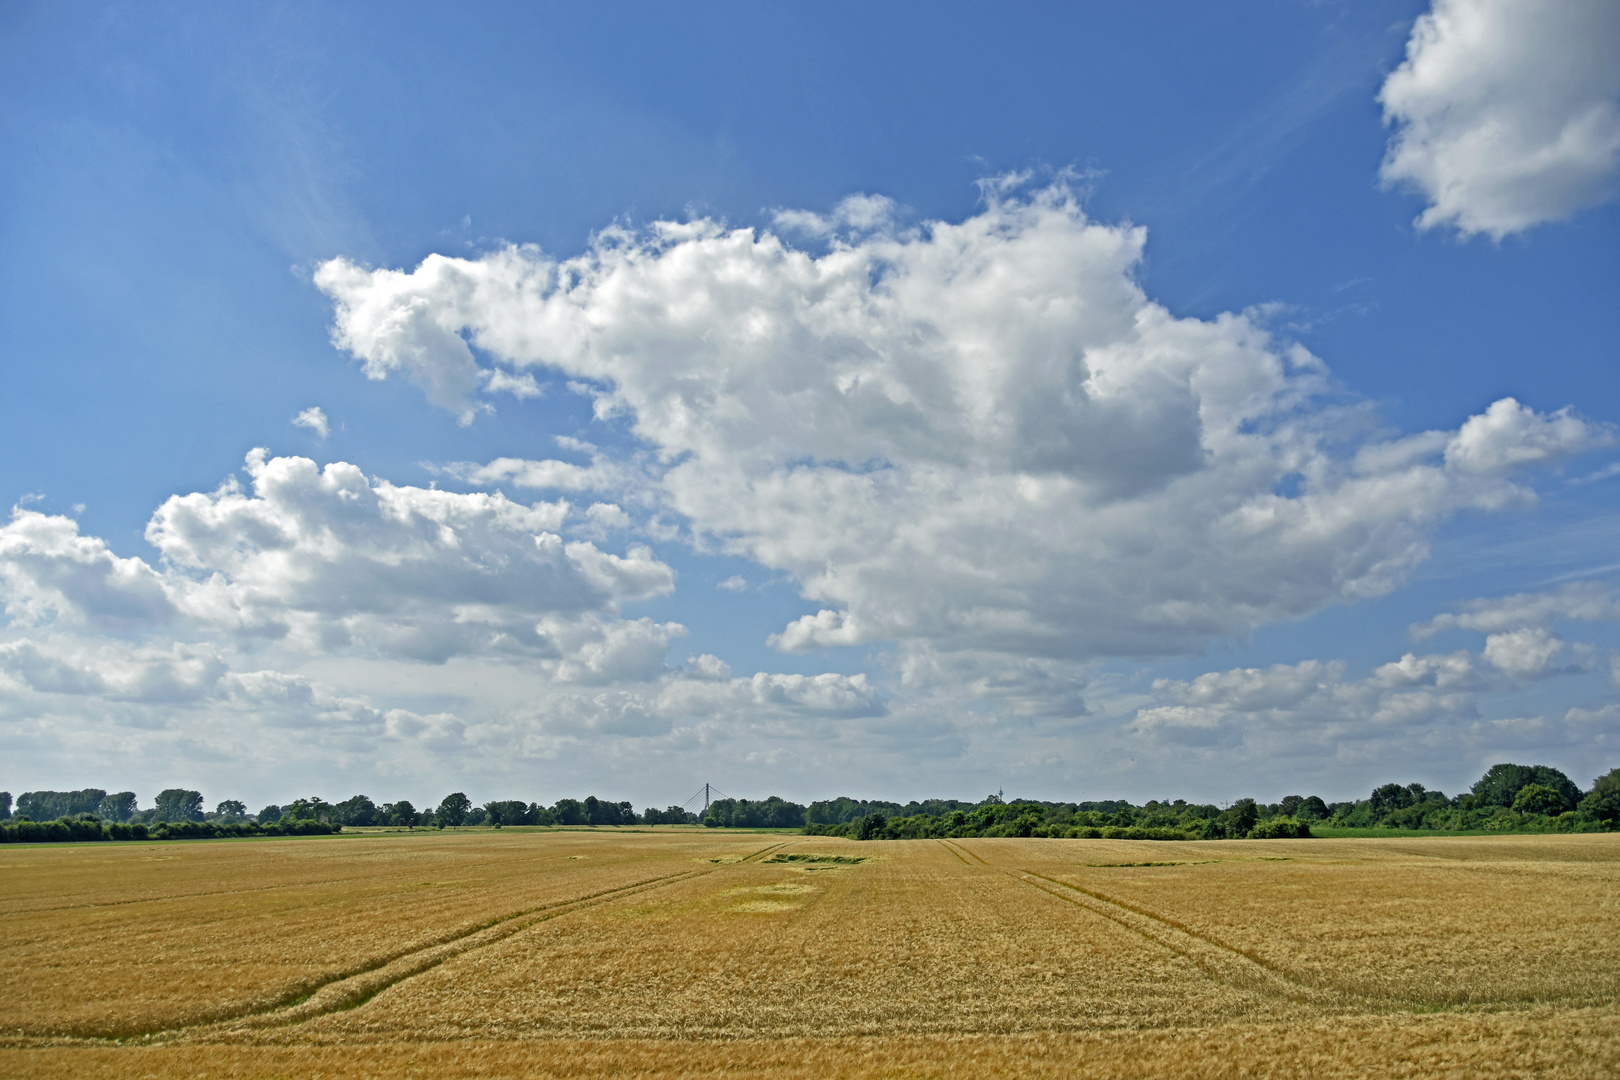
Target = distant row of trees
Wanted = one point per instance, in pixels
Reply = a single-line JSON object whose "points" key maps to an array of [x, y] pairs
{"points": [[22, 830], [1107, 819], [1508, 798], [456, 810], [1520, 798], [771, 813], [175, 805]]}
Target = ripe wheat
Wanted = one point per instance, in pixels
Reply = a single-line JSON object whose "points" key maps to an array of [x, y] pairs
{"points": [[693, 952]]}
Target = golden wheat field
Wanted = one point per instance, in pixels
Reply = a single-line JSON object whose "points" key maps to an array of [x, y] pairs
{"points": [[686, 952]]}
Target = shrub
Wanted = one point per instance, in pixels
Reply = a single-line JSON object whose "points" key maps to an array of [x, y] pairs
{"points": [[1281, 828]]}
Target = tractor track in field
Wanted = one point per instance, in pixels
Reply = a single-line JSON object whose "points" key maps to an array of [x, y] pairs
{"points": [[355, 987], [762, 852], [1226, 963]]}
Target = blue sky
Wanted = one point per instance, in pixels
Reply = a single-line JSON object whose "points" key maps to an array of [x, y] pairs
{"points": [[202, 204]]}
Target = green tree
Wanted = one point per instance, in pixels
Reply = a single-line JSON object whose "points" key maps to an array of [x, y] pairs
{"points": [[598, 812], [5, 804], [719, 814], [772, 813], [48, 805], [1501, 784], [230, 810], [870, 827], [1603, 803], [179, 804], [844, 809], [671, 815], [119, 806], [313, 808], [1241, 817], [1311, 808], [356, 810], [1538, 799], [1028, 822], [402, 813], [568, 812], [453, 809], [270, 814], [513, 812], [1388, 797]]}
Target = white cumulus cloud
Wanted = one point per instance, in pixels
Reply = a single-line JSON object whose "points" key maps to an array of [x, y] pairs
{"points": [[1418, 706], [338, 559], [314, 418], [982, 435], [1311, 701], [318, 618], [1523, 653], [1507, 112], [328, 559], [1581, 601], [49, 573]]}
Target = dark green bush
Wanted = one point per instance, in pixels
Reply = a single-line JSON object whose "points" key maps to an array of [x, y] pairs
{"points": [[1281, 828]]}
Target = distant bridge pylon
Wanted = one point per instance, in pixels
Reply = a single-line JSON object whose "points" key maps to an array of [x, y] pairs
{"points": [[708, 793]]}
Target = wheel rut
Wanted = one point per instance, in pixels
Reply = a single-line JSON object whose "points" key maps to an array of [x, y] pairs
{"points": [[1226, 963], [354, 988], [352, 991], [762, 852]]}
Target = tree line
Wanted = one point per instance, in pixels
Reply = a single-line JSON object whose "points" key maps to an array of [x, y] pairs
{"points": [[1508, 798], [180, 813], [457, 810]]}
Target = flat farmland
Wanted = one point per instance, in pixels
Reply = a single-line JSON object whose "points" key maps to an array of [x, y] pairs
{"points": [[703, 952]]}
